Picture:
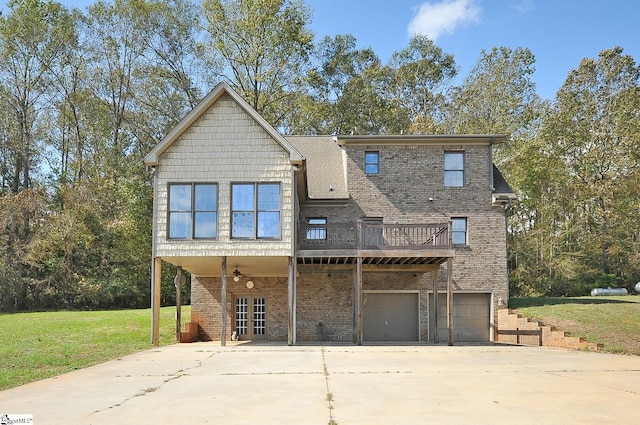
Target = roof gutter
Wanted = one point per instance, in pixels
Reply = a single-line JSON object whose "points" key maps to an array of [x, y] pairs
{"points": [[417, 139]]}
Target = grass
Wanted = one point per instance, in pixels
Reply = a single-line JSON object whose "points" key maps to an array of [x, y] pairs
{"points": [[613, 322], [41, 345]]}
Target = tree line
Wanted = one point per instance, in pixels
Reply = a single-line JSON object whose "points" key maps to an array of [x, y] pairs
{"points": [[85, 94]]}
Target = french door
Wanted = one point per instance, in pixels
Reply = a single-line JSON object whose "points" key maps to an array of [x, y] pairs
{"points": [[251, 318]]}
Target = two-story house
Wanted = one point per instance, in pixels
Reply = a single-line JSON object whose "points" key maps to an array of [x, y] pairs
{"points": [[343, 238]]}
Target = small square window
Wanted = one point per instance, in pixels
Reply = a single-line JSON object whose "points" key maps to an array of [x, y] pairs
{"points": [[371, 162]]}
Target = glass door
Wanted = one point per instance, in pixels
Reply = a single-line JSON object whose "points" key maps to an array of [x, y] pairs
{"points": [[251, 318]]}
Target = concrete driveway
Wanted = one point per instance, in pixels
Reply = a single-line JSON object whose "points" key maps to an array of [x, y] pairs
{"points": [[340, 384]]}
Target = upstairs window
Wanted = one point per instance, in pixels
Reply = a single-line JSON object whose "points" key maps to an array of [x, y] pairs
{"points": [[459, 231], [319, 232], [454, 169], [371, 162], [255, 210], [193, 211]]}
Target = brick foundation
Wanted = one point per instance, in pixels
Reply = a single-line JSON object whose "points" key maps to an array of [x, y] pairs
{"points": [[324, 302], [190, 334]]}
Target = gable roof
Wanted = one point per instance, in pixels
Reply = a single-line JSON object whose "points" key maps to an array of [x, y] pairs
{"points": [[151, 159], [325, 165]]}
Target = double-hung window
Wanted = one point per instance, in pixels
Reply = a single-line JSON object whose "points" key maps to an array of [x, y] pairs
{"points": [[255, 210], [454, 169], [459, 231], [193, 211]]}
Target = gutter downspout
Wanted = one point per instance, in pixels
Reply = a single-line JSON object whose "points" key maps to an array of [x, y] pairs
{"points": [[491, 183], [293, 272]]}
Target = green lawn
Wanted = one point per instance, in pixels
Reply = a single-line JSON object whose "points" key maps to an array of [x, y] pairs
{"points": [[611, 321], [41, 345]]}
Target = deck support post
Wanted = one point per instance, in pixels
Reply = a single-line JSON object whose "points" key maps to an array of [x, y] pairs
{"points": [[450, 300], [291, 332], [358, 301], [177, 281], [435, 306], [357, 290], [223, 302], [156, 285]]}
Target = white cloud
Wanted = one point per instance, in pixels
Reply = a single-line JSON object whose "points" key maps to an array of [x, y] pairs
{"points": [[435, 19]]}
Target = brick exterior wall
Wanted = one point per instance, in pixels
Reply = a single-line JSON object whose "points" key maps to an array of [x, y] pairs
{"points": [[207, 312], [328, 300], [323, 297], [410, 175]]}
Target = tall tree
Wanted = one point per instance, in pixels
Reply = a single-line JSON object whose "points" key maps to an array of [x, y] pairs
{"points": [[350, 90], [341, 62], [69, 102], [171, 73], [32, 38], [264, 46], [330, 105], [497, 96], [585, 206], [118, 40], [421, 74], [370, 108], [594, 140]]}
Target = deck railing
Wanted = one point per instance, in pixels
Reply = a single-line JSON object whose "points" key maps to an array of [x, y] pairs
{"points": [[361, 235]]}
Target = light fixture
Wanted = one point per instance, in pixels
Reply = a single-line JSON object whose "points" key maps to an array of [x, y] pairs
{"points": [[236, 275], [249, 284]]}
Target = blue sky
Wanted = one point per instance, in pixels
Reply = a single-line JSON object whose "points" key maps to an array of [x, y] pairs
{"points": [[559, 32]]}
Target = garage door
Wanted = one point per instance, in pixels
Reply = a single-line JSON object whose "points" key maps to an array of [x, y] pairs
{"points": [[471, 317], [390, 317]]}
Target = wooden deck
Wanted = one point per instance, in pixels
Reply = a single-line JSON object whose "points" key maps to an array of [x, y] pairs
{"points": [[376, 244]]}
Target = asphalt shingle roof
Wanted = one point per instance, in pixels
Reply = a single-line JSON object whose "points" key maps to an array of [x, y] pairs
{"points": [[325, 166]]}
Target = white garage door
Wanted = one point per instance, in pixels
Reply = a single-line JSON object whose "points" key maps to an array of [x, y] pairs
{"points": [[471, 317], [390, 317]]}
